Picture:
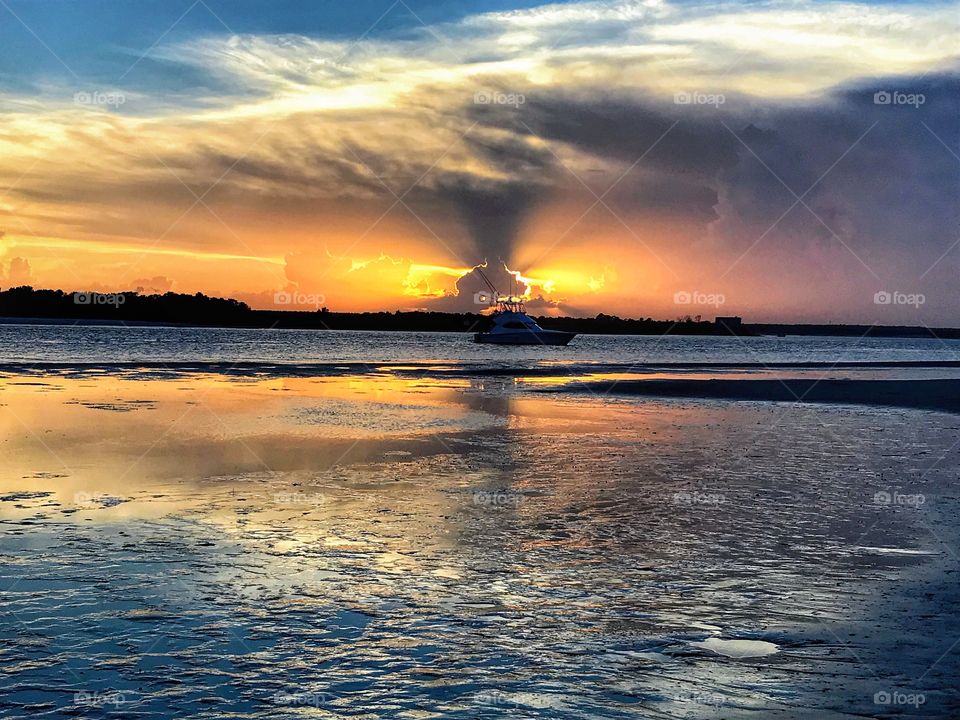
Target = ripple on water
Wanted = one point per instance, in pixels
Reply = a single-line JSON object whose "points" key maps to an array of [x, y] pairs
{"points": [[532, 572]]}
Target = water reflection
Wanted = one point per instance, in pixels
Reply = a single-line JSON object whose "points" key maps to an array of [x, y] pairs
{"points": [[399, 546]]}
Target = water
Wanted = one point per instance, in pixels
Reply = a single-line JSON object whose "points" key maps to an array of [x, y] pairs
{"points": [[378, 544], [84, 344]]}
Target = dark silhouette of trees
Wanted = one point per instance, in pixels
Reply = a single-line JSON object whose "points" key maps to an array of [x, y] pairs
{"points": [[201, 310]]}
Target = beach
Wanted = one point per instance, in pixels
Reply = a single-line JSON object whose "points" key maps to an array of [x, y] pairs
{"points": [[426, 360], [943, 395], [429, 540]]}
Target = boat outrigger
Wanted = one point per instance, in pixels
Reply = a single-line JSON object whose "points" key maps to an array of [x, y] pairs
{"points": [[512, 325]]}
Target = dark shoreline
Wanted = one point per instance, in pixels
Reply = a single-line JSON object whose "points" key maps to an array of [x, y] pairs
{"points": [[468, 323], [942, 395], [442, 369], [26, 305]]}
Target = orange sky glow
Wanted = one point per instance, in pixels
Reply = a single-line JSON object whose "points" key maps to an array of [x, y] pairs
{"points": [[375, 175]]}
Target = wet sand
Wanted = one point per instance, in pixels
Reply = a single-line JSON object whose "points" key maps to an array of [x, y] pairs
{"points": [[938, 394], [381, 545]]}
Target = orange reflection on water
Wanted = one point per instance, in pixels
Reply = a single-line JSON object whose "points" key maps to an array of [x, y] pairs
{"points": [[103, 436], [368, 466]]}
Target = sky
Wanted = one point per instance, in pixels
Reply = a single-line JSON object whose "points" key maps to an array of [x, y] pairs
{"points": [[783, 161]]}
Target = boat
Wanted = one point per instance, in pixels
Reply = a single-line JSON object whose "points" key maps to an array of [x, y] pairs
{"points": [[512, 326]]}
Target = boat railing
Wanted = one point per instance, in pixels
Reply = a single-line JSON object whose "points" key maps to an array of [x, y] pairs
{"points": [[510, 304]]}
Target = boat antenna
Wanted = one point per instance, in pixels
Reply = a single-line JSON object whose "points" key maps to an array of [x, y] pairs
{"points": [[509, 303], [495, 294]]}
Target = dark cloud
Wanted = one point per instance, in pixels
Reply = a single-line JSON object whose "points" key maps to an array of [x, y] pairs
{"points": [[491, 212], [675, 153], [880, 183], [891, 196], [542, 304], [494, 206], [156, 285], [677, 196], [671, 138], [879, 177], [472, 292]]}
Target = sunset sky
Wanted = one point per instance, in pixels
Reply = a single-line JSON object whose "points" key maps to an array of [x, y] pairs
{"points": [[790, 159]]}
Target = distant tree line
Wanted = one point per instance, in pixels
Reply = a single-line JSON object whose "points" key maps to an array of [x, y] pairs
{"points": [[612, 325], [201, 310]]}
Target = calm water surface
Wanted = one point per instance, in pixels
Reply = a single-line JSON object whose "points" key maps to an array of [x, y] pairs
{"points": [[63, 343]]}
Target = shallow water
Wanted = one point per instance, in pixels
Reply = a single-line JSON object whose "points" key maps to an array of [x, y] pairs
{"points": [[378, 545]]}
